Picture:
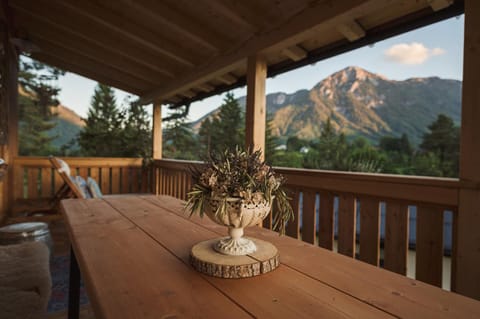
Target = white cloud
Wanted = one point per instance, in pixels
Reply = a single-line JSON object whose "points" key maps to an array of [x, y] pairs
{"points": [[411, 53]]}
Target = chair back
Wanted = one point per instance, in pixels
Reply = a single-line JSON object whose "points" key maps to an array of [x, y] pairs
{"points": [[64, 170]]}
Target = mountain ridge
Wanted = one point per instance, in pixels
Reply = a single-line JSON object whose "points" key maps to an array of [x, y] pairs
{"points": [[362, 103]]}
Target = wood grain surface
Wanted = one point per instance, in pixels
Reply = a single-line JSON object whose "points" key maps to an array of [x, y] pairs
{"points": [[133, 253]]}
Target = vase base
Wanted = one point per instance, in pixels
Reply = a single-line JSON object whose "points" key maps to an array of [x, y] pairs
{"points": [[205, 259], [235, 247]]}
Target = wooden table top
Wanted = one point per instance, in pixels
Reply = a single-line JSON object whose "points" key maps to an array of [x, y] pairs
{"points": [[133, 253]]}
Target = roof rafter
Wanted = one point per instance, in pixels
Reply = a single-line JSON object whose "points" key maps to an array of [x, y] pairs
{"points": [[317, 17], [159, 11], [130, 30], [351, 30], [295, 53], [67, 23], [82, 70], [224, 9], [144, 74], [74, 59]]}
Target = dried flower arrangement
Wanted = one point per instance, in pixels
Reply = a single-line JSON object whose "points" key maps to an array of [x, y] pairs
{"points": [[239, 174]]}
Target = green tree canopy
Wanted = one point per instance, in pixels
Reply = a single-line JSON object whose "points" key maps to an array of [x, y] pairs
{"points": [[179, 141], [136, 134], [443, 140], [36, 100], [102, 133], [226, 129]]}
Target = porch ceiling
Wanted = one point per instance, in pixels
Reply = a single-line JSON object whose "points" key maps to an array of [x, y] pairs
{"points": [[176, 51]]}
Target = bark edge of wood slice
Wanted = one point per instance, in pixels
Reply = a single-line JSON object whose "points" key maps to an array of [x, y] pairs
{"points": [[208, 261]]}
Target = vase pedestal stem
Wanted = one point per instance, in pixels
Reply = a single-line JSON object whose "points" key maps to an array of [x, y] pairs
{"points": [[236, 244]]}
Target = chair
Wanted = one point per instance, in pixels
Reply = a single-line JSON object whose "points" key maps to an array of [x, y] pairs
{"points": [[72, 186]]}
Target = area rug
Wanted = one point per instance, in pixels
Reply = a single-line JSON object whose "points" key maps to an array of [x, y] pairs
{"points": [[60, 269]]}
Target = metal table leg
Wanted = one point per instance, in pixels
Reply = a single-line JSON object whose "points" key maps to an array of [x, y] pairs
{"points": [[74, 288]]}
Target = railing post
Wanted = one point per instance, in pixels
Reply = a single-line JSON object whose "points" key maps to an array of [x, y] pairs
{"points": [[8, 117], [466, 257], [256, 111], [157, 143]]}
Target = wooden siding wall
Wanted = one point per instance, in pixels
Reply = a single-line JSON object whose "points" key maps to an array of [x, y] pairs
{"points": [[36, 179], [356, 195]]}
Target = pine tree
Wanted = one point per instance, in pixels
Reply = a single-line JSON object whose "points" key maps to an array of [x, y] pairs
{"points": [[228, 129], [271, 142], [102, 133], [136, 135], [35, 104], [179, 141], [205, 137], [443, 140]]}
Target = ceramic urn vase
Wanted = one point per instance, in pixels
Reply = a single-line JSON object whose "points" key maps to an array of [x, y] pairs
{"points": [[239, 213]]}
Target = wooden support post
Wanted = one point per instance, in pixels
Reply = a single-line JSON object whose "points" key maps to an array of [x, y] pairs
{"points": [[8, 119], [466, 261], [157, 131], [157, 145], [256, 112]]}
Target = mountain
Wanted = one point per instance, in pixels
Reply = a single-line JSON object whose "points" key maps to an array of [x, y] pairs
{"points": [[69, 124], [361, 103]]}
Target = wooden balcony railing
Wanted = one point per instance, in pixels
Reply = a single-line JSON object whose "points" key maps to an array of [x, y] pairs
{"points": [[35, 179], [367, 214]]}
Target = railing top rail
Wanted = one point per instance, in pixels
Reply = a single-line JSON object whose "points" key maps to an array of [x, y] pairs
{"points": [[79, 161], [432, 190]]}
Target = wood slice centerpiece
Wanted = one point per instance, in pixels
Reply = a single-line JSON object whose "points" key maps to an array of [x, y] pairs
{"points": [[236, 189], [207, 260]]}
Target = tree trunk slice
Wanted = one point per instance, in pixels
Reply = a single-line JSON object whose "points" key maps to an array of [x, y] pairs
{"points": [[206, 260]]}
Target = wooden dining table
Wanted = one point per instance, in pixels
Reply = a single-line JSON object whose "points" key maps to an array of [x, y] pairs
{"points": [[133, 252]]}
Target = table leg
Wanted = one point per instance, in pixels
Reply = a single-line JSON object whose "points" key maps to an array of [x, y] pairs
{"points": [[74, 288]]}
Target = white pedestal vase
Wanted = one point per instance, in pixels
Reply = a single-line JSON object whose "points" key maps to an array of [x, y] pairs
{"points": [[237, 214]]}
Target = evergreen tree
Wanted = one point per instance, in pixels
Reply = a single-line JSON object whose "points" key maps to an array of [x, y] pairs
{"points": [[37, 98], [443, 140], [136, 135], [228, 129], [271, 142], [179, 141], [328, 151], [102, 133], [398, 154], [205, 137]]}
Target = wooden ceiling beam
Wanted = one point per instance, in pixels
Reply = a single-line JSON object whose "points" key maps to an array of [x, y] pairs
{"points": [[160, 12], [351, 30], [439, 4], [53, 61], [295, 53], [73, 58], [188, 94], [94, 54], [125, 28], [225, 9], [205, 87], [227, 78], [317, 17], [71, 24]]}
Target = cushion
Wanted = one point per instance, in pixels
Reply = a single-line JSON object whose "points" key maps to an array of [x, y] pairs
{"points": [[64, 167], [94, 189], [82, 185], [25, 282]]}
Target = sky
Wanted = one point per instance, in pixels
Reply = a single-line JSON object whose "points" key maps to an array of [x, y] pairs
{"points": [[435, 50]]}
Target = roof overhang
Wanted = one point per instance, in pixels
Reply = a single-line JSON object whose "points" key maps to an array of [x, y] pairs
{"points": [[176, 52]]}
